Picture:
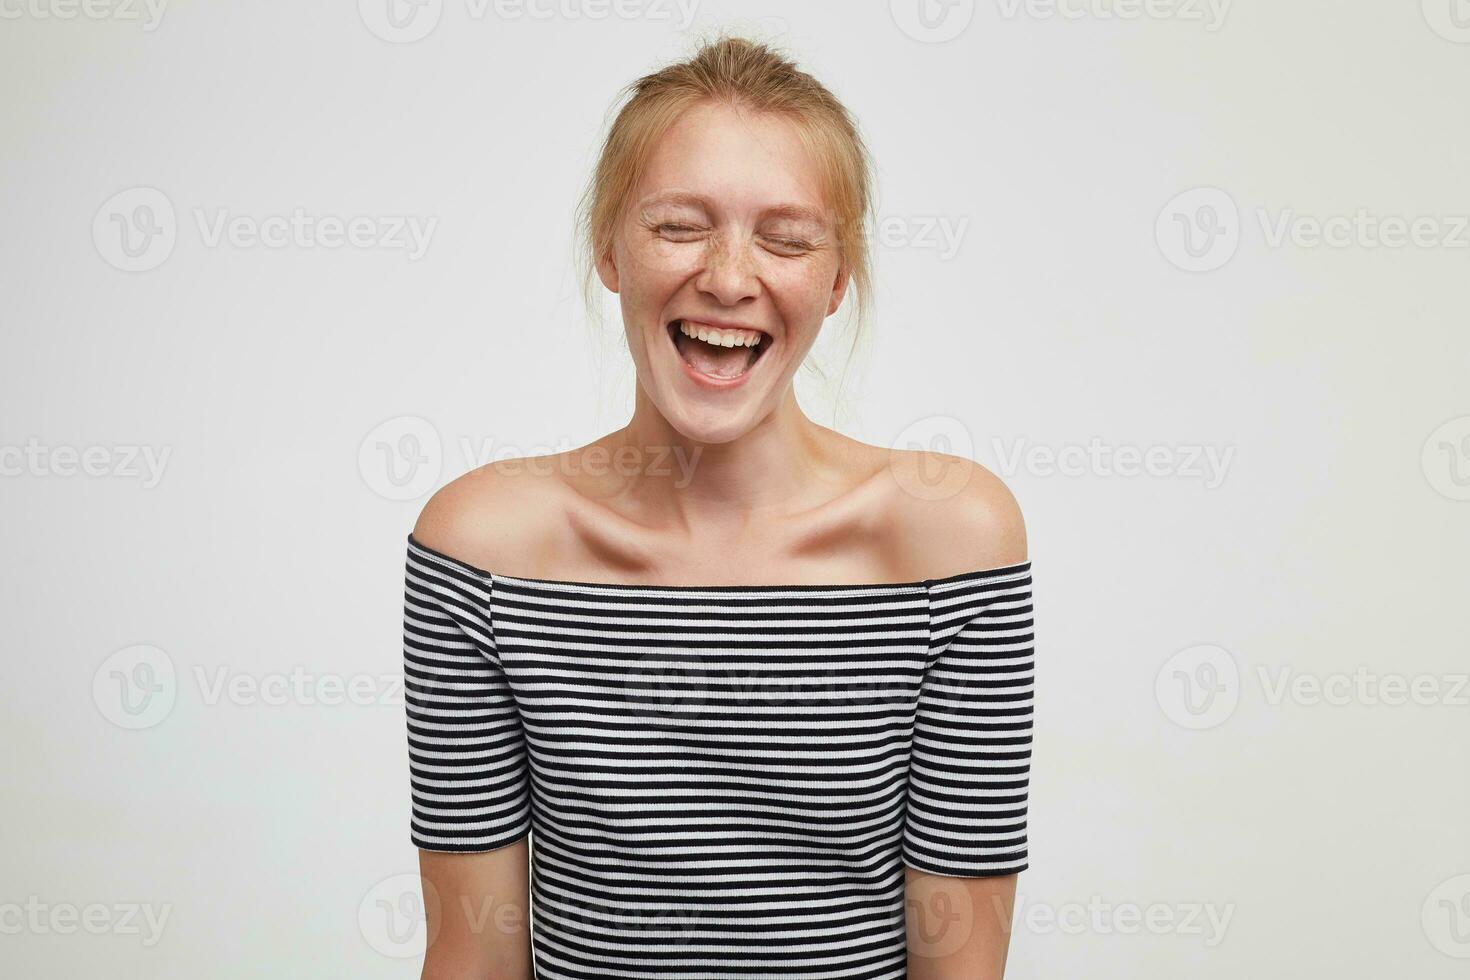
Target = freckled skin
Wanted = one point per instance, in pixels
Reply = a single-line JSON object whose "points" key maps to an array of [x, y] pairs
{"points": [[727, 257], [719, 487], [733, 486]]}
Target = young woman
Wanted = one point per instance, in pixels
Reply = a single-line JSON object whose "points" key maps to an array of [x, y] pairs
{"points": [[757, 694]]}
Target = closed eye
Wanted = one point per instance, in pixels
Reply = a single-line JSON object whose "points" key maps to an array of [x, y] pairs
{"points": [[789, 244]]}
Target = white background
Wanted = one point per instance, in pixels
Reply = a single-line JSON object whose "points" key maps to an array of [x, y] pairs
{"points": [[1332, 541]]}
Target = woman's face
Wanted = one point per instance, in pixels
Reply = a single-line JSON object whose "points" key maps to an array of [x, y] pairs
{"points": [[728, 238]]}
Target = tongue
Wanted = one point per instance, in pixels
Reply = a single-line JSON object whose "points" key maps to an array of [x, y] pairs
{"points": [[719, 362]]}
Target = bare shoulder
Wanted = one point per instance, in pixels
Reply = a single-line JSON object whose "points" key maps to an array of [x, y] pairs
{"points": [[500, 516], [949, 515]]}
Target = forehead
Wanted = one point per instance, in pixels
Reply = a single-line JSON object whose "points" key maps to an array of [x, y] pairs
{"points": [[736, 161]]}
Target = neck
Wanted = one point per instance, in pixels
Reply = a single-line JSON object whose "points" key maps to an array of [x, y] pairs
{"points": [[772, 469]]}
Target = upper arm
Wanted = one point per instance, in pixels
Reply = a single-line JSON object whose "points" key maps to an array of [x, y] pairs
{"points": [[477, 910], [468, 772], [965, 829], [958, 928]]}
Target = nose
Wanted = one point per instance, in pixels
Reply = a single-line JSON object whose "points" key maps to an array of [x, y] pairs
{"points": [[729, 273]]}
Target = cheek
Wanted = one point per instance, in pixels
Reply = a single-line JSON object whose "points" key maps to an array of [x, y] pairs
{"points": [[798, 277], [648, 279], [802, 288], [657, 259]]}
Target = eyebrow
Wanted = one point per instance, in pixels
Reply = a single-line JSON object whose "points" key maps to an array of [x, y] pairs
{"points": [[799, 212]]}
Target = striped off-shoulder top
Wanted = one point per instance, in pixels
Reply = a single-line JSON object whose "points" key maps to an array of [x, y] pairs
{"points": [[720, 781]]}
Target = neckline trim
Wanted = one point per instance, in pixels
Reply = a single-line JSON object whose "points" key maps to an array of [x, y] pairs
{"points": [[923, 584]]}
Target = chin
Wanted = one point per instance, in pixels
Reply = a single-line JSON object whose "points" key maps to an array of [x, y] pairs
{"points": [[711, 424]]}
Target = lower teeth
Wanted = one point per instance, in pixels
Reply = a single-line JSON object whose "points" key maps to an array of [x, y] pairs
{"points": [[717, 362]]}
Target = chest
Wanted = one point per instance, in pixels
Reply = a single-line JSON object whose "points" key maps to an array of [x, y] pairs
{"points": [[639, 699]]}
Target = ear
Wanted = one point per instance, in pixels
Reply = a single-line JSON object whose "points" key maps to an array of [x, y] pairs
{"points": [[839, 289], [607, 271]]}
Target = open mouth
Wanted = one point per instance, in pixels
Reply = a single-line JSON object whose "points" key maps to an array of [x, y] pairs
{"points": [[720, 353]]}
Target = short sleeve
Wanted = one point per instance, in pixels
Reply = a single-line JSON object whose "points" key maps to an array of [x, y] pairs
{"points": [[970, 765], [466, 747]]}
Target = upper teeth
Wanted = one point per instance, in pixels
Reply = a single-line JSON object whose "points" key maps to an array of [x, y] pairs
{"points": [[728, 337]]}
